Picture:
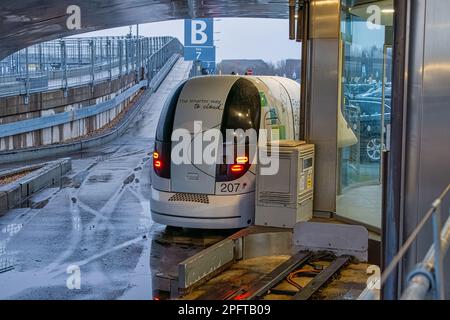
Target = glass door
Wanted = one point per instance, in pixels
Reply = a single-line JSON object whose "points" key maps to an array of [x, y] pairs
{"points": [[366, 65]]}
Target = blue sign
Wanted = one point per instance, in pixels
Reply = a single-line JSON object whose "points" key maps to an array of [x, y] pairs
{"points": [[200, 53], [210, 66], [199, 32], [199, 43]]}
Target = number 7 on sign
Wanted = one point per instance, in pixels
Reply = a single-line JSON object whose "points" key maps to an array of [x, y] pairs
{"points": [[198, 53]]}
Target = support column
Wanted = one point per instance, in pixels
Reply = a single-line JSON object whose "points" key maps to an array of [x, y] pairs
{"points": [[64, 66], [27, 77], [109, 55], [92, 53], [127, 52], [322, 89], [41, 65], [120, 54]]}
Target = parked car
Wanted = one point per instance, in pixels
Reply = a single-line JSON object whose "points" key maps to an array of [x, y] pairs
{"points": [[353, 90], [370, 126], [376, 94]]}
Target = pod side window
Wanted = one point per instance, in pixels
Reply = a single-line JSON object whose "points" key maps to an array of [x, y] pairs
{"points": [[165, 123]]}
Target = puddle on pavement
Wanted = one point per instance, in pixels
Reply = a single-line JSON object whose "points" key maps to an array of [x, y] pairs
{"points": [[102, 178], [40, 199]]}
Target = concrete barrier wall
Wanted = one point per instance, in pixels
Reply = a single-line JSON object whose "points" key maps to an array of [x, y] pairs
{"points": [[65, 126], [43, 176], [15, 108], [52, 117]]}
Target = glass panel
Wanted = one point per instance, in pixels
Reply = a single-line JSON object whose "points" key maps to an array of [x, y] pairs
{"points": [[366, 36], [242, 108]]}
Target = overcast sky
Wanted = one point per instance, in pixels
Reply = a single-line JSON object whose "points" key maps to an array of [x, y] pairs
{"points": [[235, 38]]}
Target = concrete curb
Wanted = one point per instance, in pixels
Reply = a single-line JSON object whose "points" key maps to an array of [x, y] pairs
{"points": [[9, 172], [65, 148], [45, 175]]}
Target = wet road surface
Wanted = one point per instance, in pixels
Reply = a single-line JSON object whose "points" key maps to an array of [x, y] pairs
{"points": [[97, 226]]}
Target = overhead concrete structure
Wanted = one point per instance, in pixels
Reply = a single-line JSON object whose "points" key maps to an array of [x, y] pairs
{"points": [[26, 22]]}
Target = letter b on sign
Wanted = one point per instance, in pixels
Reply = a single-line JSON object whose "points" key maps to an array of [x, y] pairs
{"points": [[198, 34]]}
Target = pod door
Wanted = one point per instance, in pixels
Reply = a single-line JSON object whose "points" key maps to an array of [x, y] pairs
{"points": [[207, 108], [200, 108]]}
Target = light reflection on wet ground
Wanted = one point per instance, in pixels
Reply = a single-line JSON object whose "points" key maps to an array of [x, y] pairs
{"points": [[98, 221]]}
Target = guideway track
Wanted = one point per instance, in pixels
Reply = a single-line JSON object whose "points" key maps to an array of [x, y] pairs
{"points": [[279, 264], [291, 267]]}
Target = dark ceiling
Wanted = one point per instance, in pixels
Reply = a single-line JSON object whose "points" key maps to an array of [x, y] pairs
{"points": [[26, 22]]}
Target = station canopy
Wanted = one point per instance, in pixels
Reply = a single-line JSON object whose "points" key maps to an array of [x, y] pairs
{"points": [[27, 22]]}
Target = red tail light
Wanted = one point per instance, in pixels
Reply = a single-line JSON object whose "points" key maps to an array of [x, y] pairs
{"points": [[157, 164], [156, 161], [161, 159], [237, 168], [230, 172]]}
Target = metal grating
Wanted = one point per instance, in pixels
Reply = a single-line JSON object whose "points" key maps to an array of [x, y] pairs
{"points": [[305, 196], [190, 197], [275, 197]]}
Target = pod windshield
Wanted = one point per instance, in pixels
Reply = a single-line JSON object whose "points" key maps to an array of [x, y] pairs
{"points": [[242, 107]]}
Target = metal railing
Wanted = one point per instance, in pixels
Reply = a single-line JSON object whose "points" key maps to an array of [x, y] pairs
{"points": [[60, 64], [428, 276], [153, 69], [157, 60]]}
